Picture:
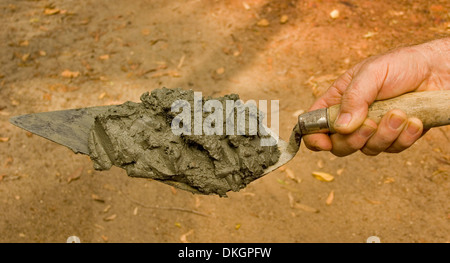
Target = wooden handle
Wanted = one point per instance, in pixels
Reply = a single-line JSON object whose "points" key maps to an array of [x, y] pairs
{"points": [[431, 107]]}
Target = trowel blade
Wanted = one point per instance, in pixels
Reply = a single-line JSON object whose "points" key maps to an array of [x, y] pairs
{"points": [[67, 127], [286, 155], [71, 128]]}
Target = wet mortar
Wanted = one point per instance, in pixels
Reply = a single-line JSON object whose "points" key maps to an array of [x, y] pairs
{"points": [[139, 138]]}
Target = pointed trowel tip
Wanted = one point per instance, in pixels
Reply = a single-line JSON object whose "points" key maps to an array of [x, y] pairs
{"points": [[15, 121], [19, 122], [67, 127]]}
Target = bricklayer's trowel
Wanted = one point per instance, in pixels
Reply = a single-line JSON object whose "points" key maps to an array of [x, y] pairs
{"points": [[71, 127]]}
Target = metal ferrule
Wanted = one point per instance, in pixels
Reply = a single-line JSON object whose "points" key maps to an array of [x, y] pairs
{"points": [[314, 122]]}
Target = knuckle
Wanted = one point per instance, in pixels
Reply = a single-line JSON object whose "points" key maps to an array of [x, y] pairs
{"points": [[369, 152], [352, 95], [354, 143], [393, 150], [384, 137], [311, 143]]}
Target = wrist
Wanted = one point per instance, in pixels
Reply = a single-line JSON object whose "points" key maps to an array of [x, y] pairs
{"points": [[437, 54]]}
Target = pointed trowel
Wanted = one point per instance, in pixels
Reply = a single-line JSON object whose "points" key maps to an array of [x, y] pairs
{"points": [[71, 128]]}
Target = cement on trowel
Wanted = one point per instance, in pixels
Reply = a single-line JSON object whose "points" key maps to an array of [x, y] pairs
{"points": [[138, 138]]}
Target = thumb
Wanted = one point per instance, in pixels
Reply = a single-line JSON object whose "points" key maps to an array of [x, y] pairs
{"points": [[361, 92]]}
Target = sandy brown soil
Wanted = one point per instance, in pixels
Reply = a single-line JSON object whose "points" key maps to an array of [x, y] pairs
{"points": [[69, 54]]}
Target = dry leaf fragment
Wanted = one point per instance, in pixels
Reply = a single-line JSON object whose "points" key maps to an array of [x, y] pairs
{"points": [[370, 34], [102, 95], [109, 187], [4, 139], [15, 102], [70, 74], [282, 182], [396, 13], [389, 180], [324, 177], [51, 11], [445, 159], [97, 198], [145, 32], [340, 171], [25, 57], [291, 200], [183, 238], [104, 57], [290, 174], [220, 70], [110, 218], [320, 163], [105, 238], [106, 210], [85, 21], [306, 208], [330, 198], [24, 43], [334, 14], [180, 64], [10, 177], [174, 74], [169, 73], [135, 211], [263, 23], [373, 202], [75, 175]]}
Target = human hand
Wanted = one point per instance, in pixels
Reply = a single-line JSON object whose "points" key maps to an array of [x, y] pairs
{"points": [[417, 68]]}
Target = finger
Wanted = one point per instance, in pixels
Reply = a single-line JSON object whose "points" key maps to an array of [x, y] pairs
{"points": [[389, 128], [346, 144], [411, 133], [317, 142], [334, 93], [361, 92], [322, 142]]}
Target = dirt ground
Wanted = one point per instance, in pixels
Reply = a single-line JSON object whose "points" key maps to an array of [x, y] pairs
{"points": [[70, 54]]}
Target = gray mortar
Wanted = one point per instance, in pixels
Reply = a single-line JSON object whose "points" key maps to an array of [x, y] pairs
{"points": [[138, 138]]}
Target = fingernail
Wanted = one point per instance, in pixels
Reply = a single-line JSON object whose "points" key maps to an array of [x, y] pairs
{"points": [[395, 121], [412, 128], [343, 120], [366, 131]]}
